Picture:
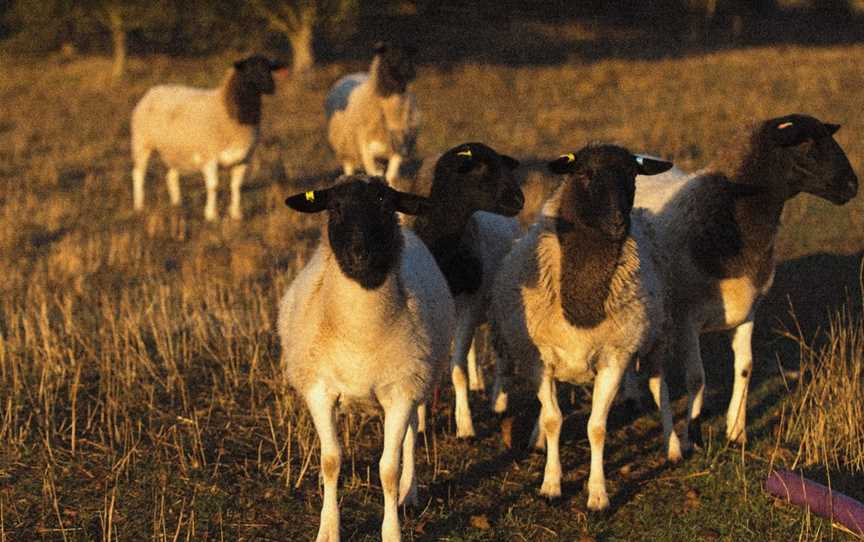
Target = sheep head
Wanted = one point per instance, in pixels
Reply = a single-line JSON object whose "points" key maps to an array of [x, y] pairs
{"points": [[395, 67], [475, 176], [809, 158], [601, 186], [256, 73], [362, 227]]}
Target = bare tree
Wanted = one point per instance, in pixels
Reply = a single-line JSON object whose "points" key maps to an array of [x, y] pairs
{"points": [[297, 20]]}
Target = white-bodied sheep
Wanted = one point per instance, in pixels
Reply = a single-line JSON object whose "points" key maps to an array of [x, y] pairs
{"points": [[578, 297], [370, 318], [472, 187], [716, 231], [373, 116], [195, 129]]}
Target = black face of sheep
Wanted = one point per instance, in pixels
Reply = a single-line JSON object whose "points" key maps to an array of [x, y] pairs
{"points": [[475, 174], [603, 185], [256, 72], [816, 162], [362, 226], [396, 68]]}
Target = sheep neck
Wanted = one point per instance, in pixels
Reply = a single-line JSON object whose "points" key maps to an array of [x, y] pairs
{"points": [[242, 101], [442, 229], [745, 210], [384, 84], [344, 299], [589, 259]]}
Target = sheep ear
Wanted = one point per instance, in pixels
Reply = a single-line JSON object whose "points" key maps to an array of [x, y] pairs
{"points": [[832, 128], [509, 163], [466, 160], [787, 133], [410, 204], [651, 166], [566, 163], [313, 201]]}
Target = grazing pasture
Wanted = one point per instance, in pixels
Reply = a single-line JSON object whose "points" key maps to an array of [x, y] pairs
{"points": [[139, 390]]}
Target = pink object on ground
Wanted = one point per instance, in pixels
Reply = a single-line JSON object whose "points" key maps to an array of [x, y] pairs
{"points": [[820, 499]]}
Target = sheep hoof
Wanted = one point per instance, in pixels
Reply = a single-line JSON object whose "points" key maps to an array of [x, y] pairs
{"points": [[694, 430], [550, 490], [598, 500], [738, 436], [507, 431], [674, 454], [409, 498], [465, 432]]}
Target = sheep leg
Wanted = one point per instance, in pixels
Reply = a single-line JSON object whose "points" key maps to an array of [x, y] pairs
{"points": [[458, 365], [348, 168], [475, 375], [322, 405], [421, 417], [370, 165], [660, 392], [393, 165], [211, 182], [173, 180], [397, 413], [605, 387], [736, 416], [551, 420], [408, 480], [139, 171], [503, 376], [238, 175], [688, 342]]}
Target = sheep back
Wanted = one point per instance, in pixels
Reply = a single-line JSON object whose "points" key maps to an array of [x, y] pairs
{"points": [[357, 115], [190, 127]]}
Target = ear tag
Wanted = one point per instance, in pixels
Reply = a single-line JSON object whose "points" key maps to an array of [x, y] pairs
{"points": [[784, 125], [466, 153], [569, 156], [310, 196]]}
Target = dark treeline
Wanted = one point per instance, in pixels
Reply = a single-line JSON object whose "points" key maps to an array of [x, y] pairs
{"points": [[311, 31]]}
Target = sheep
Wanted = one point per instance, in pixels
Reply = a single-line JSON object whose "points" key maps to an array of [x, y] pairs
{"points": [[716, 230], [578, 297], [201, 129], [472, 187], [369, 318], [372, 116]]}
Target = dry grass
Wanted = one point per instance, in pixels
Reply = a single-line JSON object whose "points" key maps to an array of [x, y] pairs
{"points": [[139, 391], [826, 408]]}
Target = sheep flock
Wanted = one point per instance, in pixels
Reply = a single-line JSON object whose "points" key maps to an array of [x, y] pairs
{"points": [[628, 263]]}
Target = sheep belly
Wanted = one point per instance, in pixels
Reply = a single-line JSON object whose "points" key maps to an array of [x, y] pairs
{"points": [[569, 365], [734, 304], [360, 376]]}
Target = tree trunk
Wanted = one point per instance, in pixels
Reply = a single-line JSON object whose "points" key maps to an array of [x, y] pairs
{"points": [[301, 46], [118, 39]]}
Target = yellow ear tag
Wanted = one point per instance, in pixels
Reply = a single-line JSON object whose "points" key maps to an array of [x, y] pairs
{"points": [[569, 156], [465, 153], [784, 125], [310, 196]]}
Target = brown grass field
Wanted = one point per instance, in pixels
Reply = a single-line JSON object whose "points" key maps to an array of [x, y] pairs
{"points": [[140, 397]]}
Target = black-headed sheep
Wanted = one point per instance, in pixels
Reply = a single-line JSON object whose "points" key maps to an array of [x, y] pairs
{"points": [[578, 297], [369, 318], [716, 231], [373, 116], [469, 228], [197, 129]]}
